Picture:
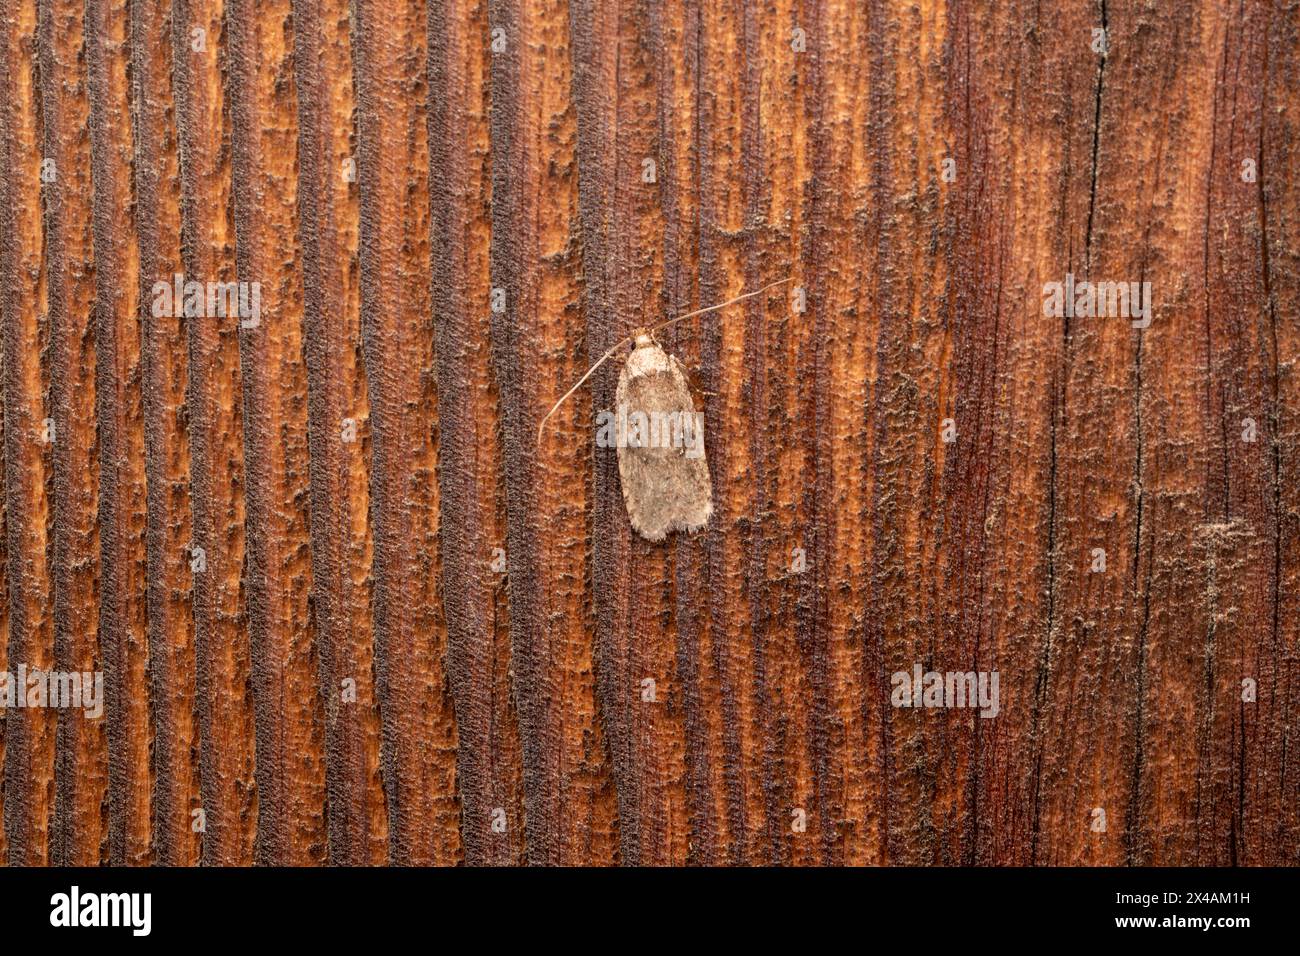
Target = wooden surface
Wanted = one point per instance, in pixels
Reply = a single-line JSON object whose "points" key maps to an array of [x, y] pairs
{"points": [[348, 607]]}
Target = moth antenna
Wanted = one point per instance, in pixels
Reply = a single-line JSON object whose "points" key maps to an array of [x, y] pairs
{"points": [[578, 384], [721, 305], [654, 328]]}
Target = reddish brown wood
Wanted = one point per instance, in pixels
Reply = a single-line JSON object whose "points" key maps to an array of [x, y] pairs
{"points": [[338, 411], [418, 634], [290, 767], [214, 417], [29, 733], [120, 421], [78, 829], [174, 763], [411, 666]]}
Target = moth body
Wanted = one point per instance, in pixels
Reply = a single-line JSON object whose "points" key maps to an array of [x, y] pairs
{"points": [[661, 462]]}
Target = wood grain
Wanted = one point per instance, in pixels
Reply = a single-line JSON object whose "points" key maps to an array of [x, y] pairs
{"points": [[29, 732], [350, 610], [121, 426], [227, 814]]}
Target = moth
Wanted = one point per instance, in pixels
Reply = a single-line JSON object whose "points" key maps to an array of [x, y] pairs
{"points": [[659, 435]]}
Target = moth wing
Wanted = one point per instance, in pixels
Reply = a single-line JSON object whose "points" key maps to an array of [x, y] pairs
{"points": [[664, 488]]}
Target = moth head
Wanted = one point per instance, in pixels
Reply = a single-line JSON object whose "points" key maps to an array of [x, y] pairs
{"points": [[643, 337]]}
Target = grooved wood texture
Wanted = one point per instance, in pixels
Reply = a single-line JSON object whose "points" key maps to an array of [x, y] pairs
{"points": [[349, 610]]}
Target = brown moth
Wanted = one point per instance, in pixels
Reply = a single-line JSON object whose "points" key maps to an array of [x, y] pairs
{"points": [[661, 462], [658, 433]]}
